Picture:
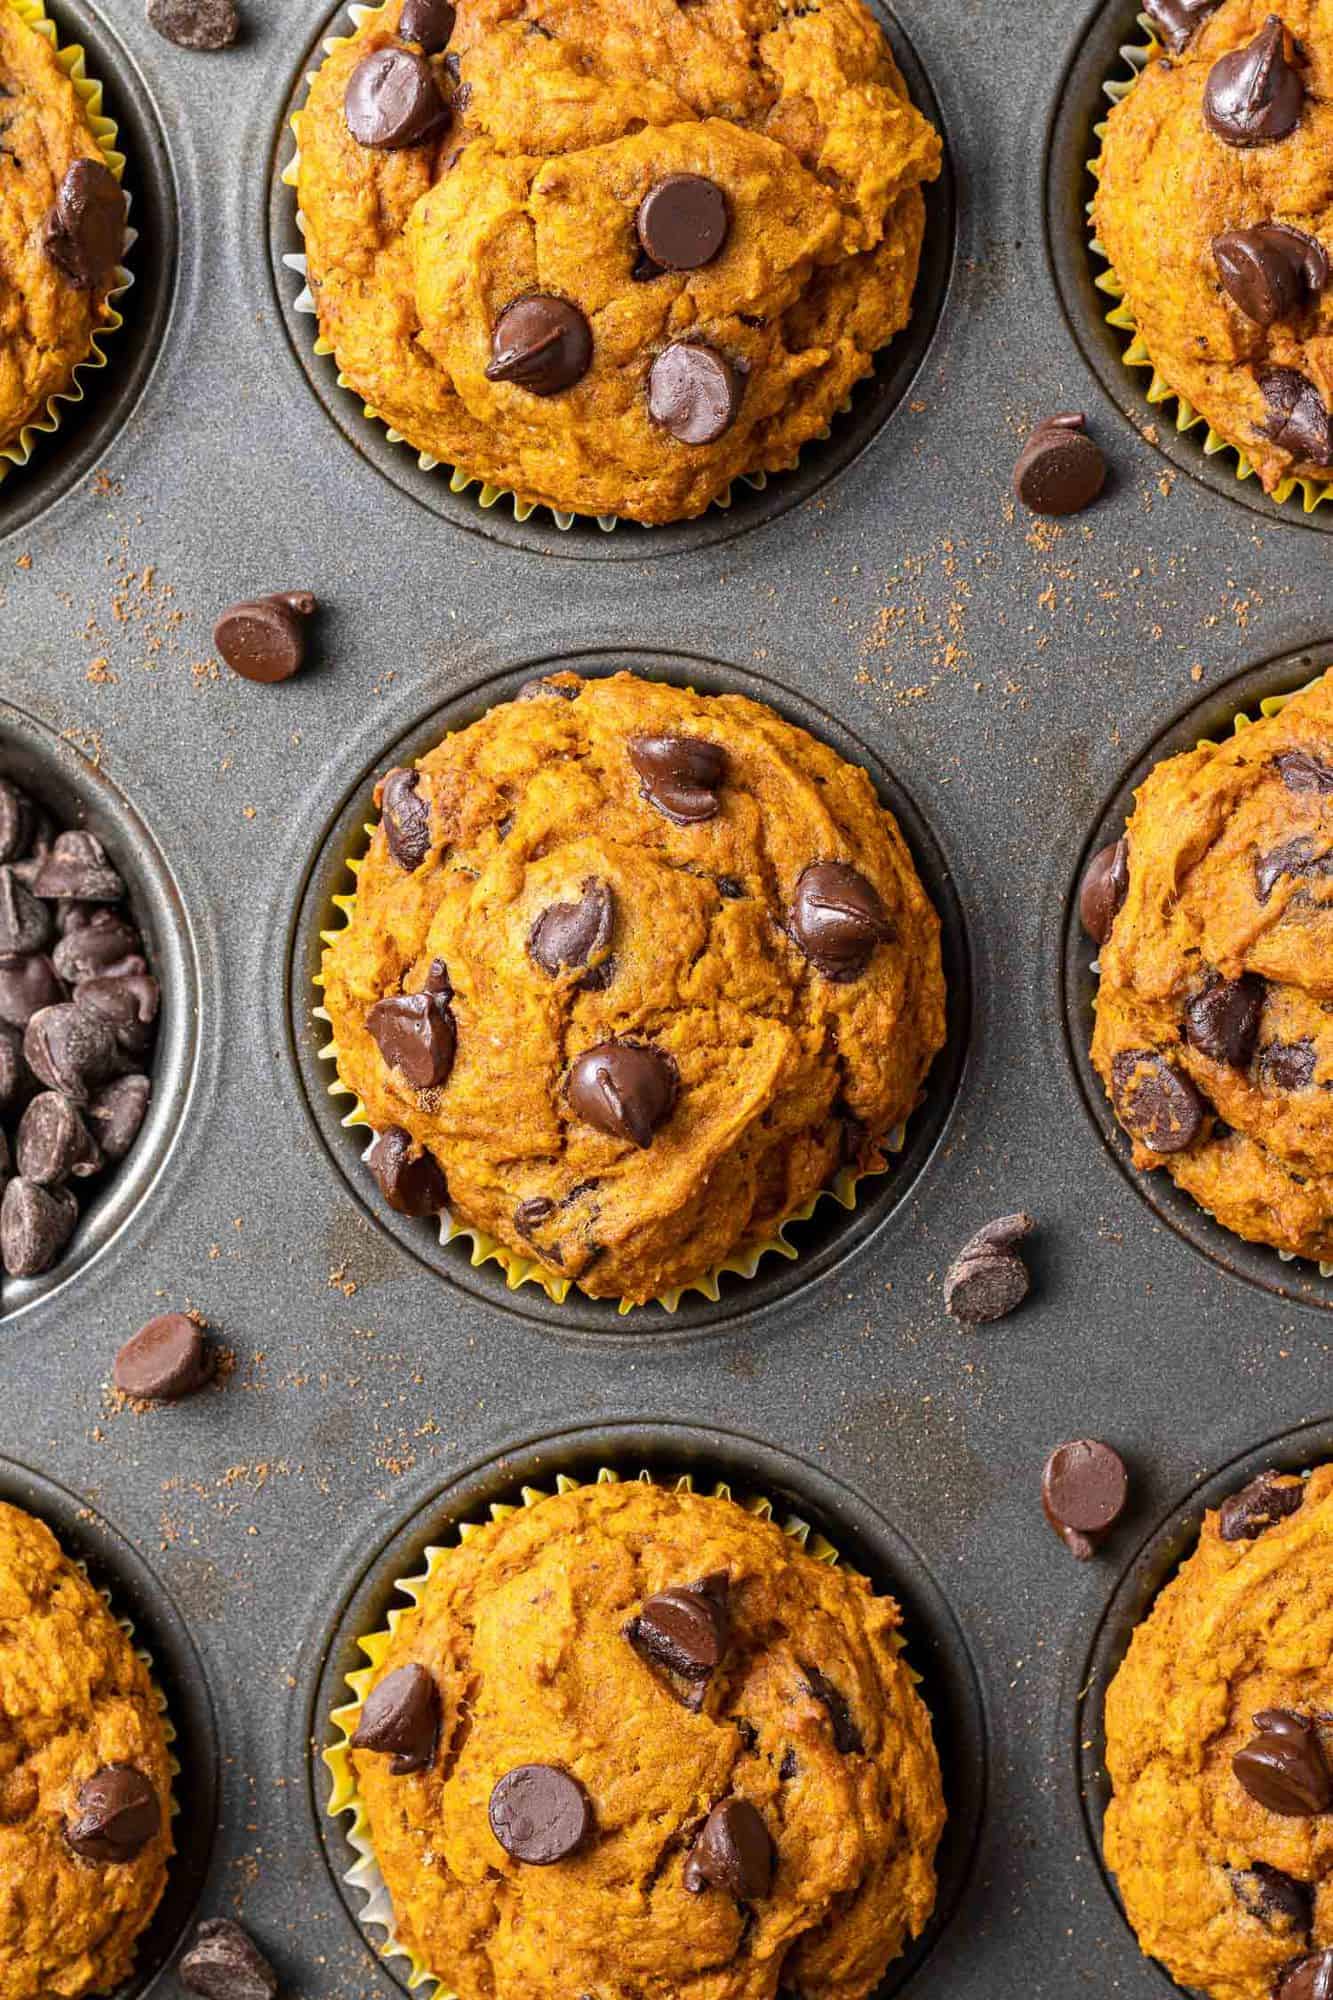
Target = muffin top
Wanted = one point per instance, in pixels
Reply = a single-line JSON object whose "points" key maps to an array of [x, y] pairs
{"points": [[612, 253], [1213, 1033], [641, 968], [737, 1784], [1218, 1745], [60, 238], [84, 1778], [1215, 207]]}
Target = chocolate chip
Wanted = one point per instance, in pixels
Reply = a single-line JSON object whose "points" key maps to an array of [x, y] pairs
{"points": [[684, 1629], [1156, 1104], [53, 1142], [115, 1113], [406, 817], [1060, 469], [264, 639], [13, 1069], [788, 1768], [27, 984], [416, 1036], [195, 24], [24, 924], [84, 234], [540, 1814], [164, 1361], [1283, 1768], [1271, 271], [1254, 95], [105, 944], [1307, 1979], [567, 935], [70, 1049], [682, 222], [128, 1003], [548, 688], [222, 1963], [1301, 858], [542, 344], [118, 1814], [1222, 1021], [1084, 1487], [401, 1717], [733, 1852], [988, 1278], [35, 1225], [1277, 1900], [623, 1089], [428, 23], [1287, 1065], [694, 392], [409, 1178], [77, 867], [530, 1214], [1304, 773], [393, 100], [1103, 889], [1298, 418], [16, 817], [847, 1738], [837, 919], [1259, 1506], [681, 775], [1176, 22]]}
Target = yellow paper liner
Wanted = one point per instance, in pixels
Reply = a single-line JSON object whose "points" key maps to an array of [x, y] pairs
{"points": [[73, 61], [1313, 492], [364, 1876]]}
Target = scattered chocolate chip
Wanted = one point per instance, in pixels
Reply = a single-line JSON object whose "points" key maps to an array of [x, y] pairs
{"points": [[694, 392], [84, 234], [401, 1716], [837, 918], [1103, 890], [1084, 1487], [1304, 773], [1060, 470], [1222, 1021], [25, 925], [118, 1814], [428, 23], [540, 1814], [69, 1049], [1301, 858], [733, 1852], [410, 1179], [988, 1278], [53, 1142], [1156, 1104], [1271, 271], [264, 639], [164, 1361], [847, 1738], [684, 1629], [682, 222], [1287, 1065], [1254, 95], [1277, 1900], [567, 935], [393, 100], [195, 24], [105, 945], [223, 1963], [116, 1111], [1307, 1979], [548, 688], [1298, 418], [406, 817], [416, 1036], [28, 983], [542, 344], [1176, 22], [623, 1089], [681, 775], [1259, 1506], [1283, 1768], [35, 1225]]}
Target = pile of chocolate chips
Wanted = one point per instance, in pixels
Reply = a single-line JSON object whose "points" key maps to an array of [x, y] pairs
{"points": [[78, 1017]]}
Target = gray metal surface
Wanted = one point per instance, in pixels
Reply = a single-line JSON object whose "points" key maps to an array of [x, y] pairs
{"points": [[1008, 675]]}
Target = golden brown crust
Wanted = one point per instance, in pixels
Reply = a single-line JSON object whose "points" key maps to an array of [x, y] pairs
{"points": [[1245, 1626], [74, 1698], [574, 108], [523, 1632], [1168, 186], [529, 804]]}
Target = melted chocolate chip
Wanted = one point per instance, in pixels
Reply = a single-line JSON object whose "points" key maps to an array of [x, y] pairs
{"points": [[1222, 1021], [694, 392], [401, 1717], [1176, 22], [733, 1852], [118, 1814], [1283, 1768], [1259, 1506], [1277, 1900], [1304, 773], [847, 1738], [542, 344], [1254, 95], [1298, 418], [1060, 470], [681, 775], [837, 919], [682, 222], [416, 1036], [84, 234], [1157, 1105], [547, 687], [567, 935], [406, 818], [1302, 858], [1271, 271], [623, 1089], [1103, 890], [684, 1629], [264, 639], [1307, 1978], [409, 1178], [540, 1814], [393, 100], [1287, 1065], [1084, 1487], [428, 23], [530, 1214]]}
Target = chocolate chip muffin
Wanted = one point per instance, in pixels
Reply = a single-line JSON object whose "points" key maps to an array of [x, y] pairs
{"points": [[1218, 1745], [632, 972], [1215, 208], [62, 227], [611, 254], [648, 1745], [1214, 1035], [84, 1778]]}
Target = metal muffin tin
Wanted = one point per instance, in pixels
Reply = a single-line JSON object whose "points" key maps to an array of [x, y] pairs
{"points": [[1002, 679]]}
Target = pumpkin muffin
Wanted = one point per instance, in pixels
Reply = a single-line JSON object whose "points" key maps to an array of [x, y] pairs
{"points": [[1219, 1746], [611, 254], [1214, 1027], [1215, 208], [62, 228], [631, 974], [84, 1778], [634, 1742]]}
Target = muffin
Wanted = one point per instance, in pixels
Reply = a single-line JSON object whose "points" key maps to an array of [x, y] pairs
{"points": [[1219, 1746], [631, 973], [62, 228], [1214, 206], [632, 1742], [611, 254], [84, 1778], [1214, 1036]]}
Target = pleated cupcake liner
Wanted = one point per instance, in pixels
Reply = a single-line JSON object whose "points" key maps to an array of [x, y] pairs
{"points": [[72, 59], [364, 1877], [1159, 393]]}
